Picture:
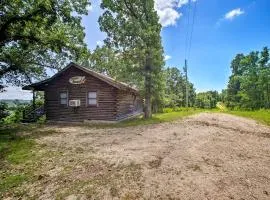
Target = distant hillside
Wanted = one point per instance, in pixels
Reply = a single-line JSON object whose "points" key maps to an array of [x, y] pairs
{"points": [[14, 102]]}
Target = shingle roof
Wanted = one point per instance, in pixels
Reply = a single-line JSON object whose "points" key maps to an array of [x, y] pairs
{"points": [[107, 79]]}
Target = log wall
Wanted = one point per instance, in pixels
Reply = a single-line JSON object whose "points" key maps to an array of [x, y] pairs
{"points": [[127, 104], [106, 97]]}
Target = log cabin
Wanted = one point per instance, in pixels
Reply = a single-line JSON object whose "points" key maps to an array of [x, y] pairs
{"points": [[77, 94]]}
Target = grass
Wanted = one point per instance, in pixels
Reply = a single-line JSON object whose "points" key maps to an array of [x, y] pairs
{"points": [[262, 116], [14, 151], [156, 119], [12, 181], [18, 156]]}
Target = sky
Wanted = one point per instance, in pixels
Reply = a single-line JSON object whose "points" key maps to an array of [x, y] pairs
{"points": [[222, 28]]}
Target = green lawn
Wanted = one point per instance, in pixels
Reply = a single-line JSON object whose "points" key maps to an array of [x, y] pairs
{"points": [[14, 151], [262, 116], [157, 118], [18, 156]]}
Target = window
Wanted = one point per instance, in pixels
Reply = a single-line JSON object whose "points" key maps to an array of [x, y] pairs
{"points": [[63, 98], [92, 98]]}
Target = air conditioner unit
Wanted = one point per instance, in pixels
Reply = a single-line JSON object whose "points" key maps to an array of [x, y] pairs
{"points": [[74, 103]]}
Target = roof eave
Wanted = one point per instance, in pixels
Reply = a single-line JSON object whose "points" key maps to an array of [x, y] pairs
{"points": [[39, 86]]}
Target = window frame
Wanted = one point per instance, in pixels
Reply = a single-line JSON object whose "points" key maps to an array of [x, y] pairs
{"points": [[60, 98], [87, 99]]}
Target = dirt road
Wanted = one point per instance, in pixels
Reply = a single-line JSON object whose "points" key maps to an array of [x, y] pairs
{"points": [[207, 156]]}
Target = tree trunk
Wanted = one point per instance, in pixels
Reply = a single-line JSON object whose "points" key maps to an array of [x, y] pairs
{"points": [[147, 87], [147, 104]]}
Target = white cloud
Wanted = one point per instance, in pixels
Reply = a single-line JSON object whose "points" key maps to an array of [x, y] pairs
{"points": [[167, 57], [168, 16], [182, 2], [99, 43], [89, 8], [233, 13], [167, 11]]}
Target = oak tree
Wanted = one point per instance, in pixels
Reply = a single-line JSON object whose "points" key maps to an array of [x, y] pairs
{"points": [[36, 35], [132, 29]]}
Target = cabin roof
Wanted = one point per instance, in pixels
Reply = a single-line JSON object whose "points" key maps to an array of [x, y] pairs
{"points": [[39, 86]]}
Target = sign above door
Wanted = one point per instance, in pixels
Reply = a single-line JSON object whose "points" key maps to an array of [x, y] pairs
{"points": [[76, 80]]}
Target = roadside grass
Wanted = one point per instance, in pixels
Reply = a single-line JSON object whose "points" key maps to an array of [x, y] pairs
{"points": [[15, 153], [19, 157], [156, 119], [262, 116]]}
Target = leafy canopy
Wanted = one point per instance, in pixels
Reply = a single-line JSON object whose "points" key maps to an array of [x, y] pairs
{"points": [[133, 30], [249, 84], [39, 34]]}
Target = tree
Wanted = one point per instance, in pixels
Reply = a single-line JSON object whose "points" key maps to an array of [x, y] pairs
{"points": [[109, 61], [133, 30], [176, 88], [207, 99], [36, 35], [249, 84], [3, 110]]}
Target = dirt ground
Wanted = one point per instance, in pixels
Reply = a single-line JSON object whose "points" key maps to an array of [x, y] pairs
{"points": [[206, 156]]}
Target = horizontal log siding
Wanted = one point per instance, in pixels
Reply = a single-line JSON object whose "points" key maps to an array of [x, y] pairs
{"points": [[106, 97], [126, 101]]}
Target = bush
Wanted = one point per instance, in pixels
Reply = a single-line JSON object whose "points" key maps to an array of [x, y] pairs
{"points": [[3, 111], [177, 109], [167, 110], [16, 114], [174, 109]]}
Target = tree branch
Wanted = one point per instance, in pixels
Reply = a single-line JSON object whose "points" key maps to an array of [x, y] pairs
{"points": [[4, 36], [5, 69]]}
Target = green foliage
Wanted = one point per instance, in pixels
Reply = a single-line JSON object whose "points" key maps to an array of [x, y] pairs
{"points": [[19, 151], [108, 61], [3, 111], [36, 35], [12, 181], [261, 115], [16, 113], [167, 110], [15, 116], [249, 84], [175, 93], [20, 156], [133, 32], [175, 109], [207, 100], [14, 150], [168, 116]]}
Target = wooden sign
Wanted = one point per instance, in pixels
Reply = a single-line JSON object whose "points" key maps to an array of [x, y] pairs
{"points": [[76, 80]]}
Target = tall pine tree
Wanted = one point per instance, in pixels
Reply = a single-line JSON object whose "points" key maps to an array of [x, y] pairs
{"points": [[132, 28]]}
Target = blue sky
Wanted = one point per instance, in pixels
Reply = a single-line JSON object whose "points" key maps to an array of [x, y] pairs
{"points": [[222, 29]]}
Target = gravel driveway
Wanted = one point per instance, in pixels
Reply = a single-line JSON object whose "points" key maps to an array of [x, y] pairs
{"points": [[206, 156]]}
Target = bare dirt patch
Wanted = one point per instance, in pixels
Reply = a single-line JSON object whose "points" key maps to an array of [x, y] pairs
{"points": [[207, 156]]}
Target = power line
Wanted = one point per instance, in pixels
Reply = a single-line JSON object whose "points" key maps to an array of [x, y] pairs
{"points": [[188, 45], [188, 24], [192, 27], [186, 49]]}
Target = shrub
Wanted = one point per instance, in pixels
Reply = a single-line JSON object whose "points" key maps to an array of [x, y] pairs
{"points": [[177, 109], [167, 110], [3, 111]]}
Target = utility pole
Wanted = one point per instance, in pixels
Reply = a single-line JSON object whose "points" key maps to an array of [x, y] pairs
{"points": [[186, 71]]}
